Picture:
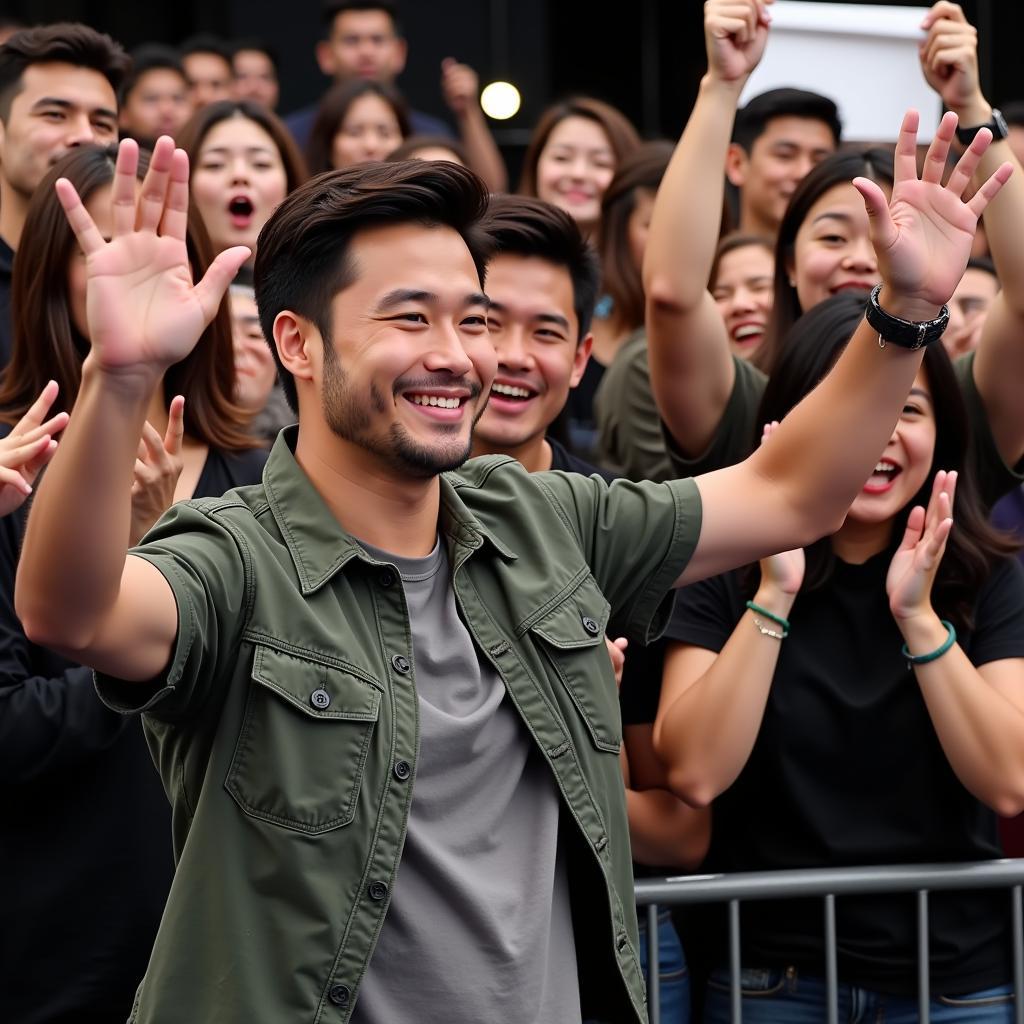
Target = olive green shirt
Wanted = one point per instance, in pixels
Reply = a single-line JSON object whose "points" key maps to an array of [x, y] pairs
{"points": [[285, 728], [630, 439], [739, 428]]}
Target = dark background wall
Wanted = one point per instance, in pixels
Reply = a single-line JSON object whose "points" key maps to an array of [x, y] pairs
{"points": [[645, 56]]}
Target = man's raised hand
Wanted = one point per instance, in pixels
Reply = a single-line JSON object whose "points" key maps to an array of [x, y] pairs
{"points": [[922, 236], [735, 35], [144, 312]]}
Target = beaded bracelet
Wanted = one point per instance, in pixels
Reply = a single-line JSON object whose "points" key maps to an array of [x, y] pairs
{"points": [[923, 659], [778, 619]]}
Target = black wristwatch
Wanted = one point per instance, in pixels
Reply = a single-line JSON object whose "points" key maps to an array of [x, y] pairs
{"points": [[997, 126], [905, 333]]}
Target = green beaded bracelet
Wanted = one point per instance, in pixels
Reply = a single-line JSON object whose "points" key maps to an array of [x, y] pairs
{"points": [[923, 659], [784, 623]]}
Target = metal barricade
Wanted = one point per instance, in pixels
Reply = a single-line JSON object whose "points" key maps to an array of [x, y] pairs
{"points": [[828, 883]]}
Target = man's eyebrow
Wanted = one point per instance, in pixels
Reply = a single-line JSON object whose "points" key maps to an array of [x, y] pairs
{"points": [[56, 101], [401, 296], [552, 318]]}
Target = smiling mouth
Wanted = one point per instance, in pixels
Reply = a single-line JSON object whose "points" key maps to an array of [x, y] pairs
{"points": [[512, 393], [882, 477], [846, 286], [748, 332], [436, 401]]}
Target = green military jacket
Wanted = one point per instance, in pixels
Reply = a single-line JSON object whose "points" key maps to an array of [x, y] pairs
{"points": [[285, 728]]}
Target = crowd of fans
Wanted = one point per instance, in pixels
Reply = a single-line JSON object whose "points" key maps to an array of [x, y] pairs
{"points": [[656, 308]]}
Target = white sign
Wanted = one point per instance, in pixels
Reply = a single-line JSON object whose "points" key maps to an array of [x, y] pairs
{"points": [[862, 57]]}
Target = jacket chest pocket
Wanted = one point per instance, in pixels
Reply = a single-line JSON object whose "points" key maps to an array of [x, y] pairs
{"points": [[571, 638], [303, 743]]}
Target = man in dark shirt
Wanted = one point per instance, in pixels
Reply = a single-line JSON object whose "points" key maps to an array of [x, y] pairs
{"points": [[58, 89]]}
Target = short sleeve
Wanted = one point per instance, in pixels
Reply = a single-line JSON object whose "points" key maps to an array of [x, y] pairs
{"points": [[734, 435], [202, 558], [999, 616], [995, 478], [637, 539], [706, 612]]}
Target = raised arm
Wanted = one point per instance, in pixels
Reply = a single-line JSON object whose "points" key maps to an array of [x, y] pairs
{"points": [[799, 487], [949, 60], [692, 371], [76, 591], [459, 84]]}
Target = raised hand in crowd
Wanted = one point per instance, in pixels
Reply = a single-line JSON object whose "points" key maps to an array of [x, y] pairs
{"points": [[916, 561], [459, 86], [949, 62], [692, 372], [157, 470], [27, 448]]}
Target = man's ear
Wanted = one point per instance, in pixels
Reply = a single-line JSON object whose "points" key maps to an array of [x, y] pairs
{"points": [[580, 360], [403, 54], [325, 58], [736, 164], [299, 345]]}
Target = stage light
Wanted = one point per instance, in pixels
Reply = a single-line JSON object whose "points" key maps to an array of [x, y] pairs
{"points": [[500, 100]]}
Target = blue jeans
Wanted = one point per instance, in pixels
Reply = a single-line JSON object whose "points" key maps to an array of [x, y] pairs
{"points": [[674, 987], [782, 996]]}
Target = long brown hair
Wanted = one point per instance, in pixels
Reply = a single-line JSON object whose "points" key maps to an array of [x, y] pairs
{"points": [[47, 346], [622, 136], [642, 169]]}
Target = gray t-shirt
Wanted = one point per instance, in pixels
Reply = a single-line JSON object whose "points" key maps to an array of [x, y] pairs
{"points": [[479, 927]]}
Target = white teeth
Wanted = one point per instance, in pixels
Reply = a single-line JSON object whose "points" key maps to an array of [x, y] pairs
{"points": [[885, 467], [441, 403], [511, 392], [748, 330]]}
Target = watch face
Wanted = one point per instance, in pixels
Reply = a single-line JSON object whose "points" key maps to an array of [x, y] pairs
{"points": [[1000, 129]]}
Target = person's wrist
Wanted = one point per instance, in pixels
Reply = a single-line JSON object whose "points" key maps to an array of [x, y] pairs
{"points": [[774, 599], [972, 112], [922, 629], [713, 83], [136, 380], [907, 307]]}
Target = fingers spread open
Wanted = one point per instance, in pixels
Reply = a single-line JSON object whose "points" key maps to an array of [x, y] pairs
{"points": [[123, 194], [38, 409], [906, 148], [83, 226], [990, 189], [218, 276], [154, 187], [938, 151], [175, 213]]}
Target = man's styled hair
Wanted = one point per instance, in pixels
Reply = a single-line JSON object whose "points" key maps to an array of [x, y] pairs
{"points": [[206, 43], [524, 226], [63, 43], [150, 57], [257, 45], [752, 119], [302, 254], [330, 9]]}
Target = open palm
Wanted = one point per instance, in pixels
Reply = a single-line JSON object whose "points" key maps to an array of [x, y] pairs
{"points": [[922, 236], [143, 309]]}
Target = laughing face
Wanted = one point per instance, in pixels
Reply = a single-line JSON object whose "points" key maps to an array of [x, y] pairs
{"points": [[238, 181], [535, 333], [743, 293], [904, 465], [833, 250], [409, 365], [574, 169]]}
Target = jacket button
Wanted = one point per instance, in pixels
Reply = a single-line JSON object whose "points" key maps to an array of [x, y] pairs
{"points": [[400, 664], [591, 626], [621, 941], [387, 578], [402, 770], [378, 890], [339, 995], [601, 843], [320, 699]]}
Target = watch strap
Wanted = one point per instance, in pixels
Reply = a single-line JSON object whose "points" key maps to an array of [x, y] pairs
{"points": [[996, 125], [905, 333]]}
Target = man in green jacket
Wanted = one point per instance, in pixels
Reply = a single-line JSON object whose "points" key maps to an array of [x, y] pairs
{"points": [[376, 685]]}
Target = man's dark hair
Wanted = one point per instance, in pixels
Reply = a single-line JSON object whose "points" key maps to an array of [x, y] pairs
{"points": [[206, 43], [1013, 113], [63, 43], [302, 254], [150, 57], [330, 9], [752, 119], [524, 226], [260, 46]]}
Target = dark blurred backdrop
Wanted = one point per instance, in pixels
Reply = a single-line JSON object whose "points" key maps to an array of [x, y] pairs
{"points": [[646, 58]]}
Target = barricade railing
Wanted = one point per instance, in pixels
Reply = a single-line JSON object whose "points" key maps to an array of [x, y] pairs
{"points": [[828, 883]]}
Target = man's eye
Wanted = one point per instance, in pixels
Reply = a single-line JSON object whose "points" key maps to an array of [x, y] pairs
{"points": [[416, 318], [475, 321]]}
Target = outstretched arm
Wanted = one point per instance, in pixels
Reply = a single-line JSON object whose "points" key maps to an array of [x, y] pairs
{"points": [[77, 592], [459, 84], [692, 372], [801, 485], [949, 60]]}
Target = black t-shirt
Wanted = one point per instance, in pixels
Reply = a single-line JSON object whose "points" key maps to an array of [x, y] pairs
{"points": [[564, 460], [847, 770], [6, 327], [85, 852]]}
